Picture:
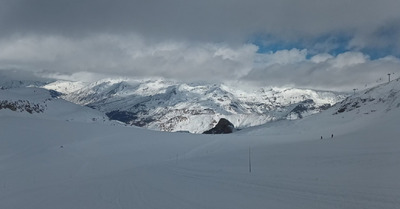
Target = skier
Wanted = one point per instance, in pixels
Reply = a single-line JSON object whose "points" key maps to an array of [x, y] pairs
{"points": [[321, 137], [332, 136]]}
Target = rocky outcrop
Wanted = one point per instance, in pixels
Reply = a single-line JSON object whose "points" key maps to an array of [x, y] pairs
{"points": [[22, 106], [223, 127]]}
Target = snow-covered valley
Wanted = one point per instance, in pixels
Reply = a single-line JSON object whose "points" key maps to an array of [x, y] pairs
{"points": [[51, 162]]}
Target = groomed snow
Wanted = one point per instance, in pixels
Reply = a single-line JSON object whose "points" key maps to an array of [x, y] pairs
{"points": [[59, 164]]}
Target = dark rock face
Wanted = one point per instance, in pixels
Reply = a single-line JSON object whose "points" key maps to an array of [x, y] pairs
{"points": [[350, 104], [223, 127], [123, 116], [55, 94], [22, 106], [129, 118]]}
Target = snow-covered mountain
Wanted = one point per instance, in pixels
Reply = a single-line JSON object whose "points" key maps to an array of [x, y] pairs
{"points": [[193, 107], [361, 109], [43, 103], [381, 98]]}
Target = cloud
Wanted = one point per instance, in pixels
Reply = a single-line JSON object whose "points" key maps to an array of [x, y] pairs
{"points": [[323, 71], [383, 38], [206, 20], [281, 57], [320, 58], [348, 59], [102, 56], [338, 42], [128, 56]]}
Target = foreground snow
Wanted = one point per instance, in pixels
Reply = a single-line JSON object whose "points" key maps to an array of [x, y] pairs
{"points": [[59, 164]]}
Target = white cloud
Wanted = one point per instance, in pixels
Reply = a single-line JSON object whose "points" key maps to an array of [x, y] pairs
{"points": [[134, 56], [348, 59], [342, 72], [319, 58], [128, 56], [281, 57]]}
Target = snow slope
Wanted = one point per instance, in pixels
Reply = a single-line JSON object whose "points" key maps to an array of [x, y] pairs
{"points": [[59, 164], [42, 103]]}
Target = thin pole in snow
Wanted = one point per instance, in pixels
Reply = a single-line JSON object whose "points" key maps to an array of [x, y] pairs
{"points": [[249, 160], [389, 76]]}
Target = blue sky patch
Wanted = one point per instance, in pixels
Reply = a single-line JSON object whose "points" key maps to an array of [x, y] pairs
{"points": [[331, 44]]}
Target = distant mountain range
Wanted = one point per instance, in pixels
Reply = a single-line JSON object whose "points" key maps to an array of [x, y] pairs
{"points": [[192, 107], [184, 107], [43, 103]]}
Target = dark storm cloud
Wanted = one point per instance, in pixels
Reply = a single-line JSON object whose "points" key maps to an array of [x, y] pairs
{"points": [[214, 20], [81, 17]]}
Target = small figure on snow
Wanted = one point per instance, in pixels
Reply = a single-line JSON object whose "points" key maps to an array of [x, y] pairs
{"points": [[321, 137], [332, 136]]}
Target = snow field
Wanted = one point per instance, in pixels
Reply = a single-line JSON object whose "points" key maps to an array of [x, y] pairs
{"points": [[102, 166]]}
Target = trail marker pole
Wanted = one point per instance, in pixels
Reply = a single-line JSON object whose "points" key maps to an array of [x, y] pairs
{"points": [[249, 160]]}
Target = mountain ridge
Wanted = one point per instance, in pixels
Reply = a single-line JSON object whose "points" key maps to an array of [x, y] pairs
{"points": [[194, 107], [43, 103]]}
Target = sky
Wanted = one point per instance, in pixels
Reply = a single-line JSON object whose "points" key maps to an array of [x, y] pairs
{"points": [[320, 44]]}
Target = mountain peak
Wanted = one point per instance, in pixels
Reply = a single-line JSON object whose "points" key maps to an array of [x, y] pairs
{"points": [[223, 126]]}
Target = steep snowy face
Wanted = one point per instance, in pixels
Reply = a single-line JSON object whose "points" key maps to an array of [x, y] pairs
{"points": [[193, 107], [381, 98]]}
